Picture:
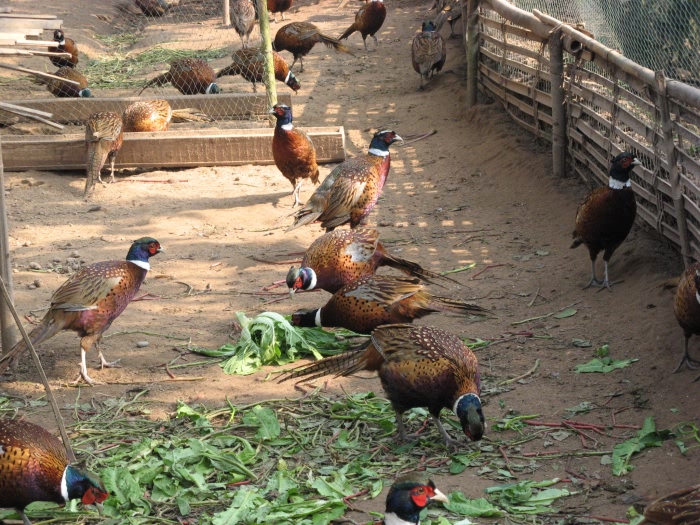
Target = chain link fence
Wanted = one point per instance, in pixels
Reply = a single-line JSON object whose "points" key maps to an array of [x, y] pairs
{"points": [[174, 50]]}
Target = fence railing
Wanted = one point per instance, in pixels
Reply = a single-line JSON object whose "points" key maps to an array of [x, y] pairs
{"points": [[592, 103]]}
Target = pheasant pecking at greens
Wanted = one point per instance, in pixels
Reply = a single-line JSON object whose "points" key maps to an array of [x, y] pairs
{"points": [[190, 76], [61, 89], [250, 64], [156, 115], [419, 366], [407, 498]]}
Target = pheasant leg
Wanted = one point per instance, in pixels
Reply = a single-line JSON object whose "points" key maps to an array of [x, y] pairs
{"points": [[686, 360], [25, 519], [111, 167], [83, 371], [606, 282], [295, 192], [448, 440], [594, 281], [301, 61], [402, 430], [365, 43], [107, 364], [376, 40]]}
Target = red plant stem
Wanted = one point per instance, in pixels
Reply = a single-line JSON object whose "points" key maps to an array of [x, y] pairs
{"points": [[167, 371], [239, 483], [636, 427], [487, 268], [347, 499]]}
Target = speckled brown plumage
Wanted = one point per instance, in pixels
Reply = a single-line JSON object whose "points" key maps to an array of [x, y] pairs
{"points": [[61, 89], [65, 45], [428, 52], [278, 6], [33, 464], [605, 217], [368, 20], [156, 115], [103, 136], [293, 151], [300, 37], [250, 64], [678, 508], [419, 366], [243, 18], [340, 257], [190, 76], [686, 306], [91, 300], [350, 192], [375, 300]]}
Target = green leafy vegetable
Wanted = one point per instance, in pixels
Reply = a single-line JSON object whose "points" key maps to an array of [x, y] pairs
{"points": [[270, 339], [569, 312], [604, 365], [647, 436], [476, 508]]}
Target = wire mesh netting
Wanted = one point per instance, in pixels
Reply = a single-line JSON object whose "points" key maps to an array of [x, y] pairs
{"points": [[157, 49]]}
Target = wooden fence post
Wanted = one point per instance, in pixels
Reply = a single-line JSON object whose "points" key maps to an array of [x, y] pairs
{"points": [[674, 176], [556, 70], [472, 35], [7, 323], [227, 13], [270, 85]]}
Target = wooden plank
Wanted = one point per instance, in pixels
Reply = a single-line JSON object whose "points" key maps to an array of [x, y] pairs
{"points": [[167, 149], [25, 31], [33, 17], [13, 23], [222, 106]]}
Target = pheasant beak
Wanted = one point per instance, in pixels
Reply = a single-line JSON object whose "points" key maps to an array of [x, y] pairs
{"points": [[439, 496], [291, 293], [396, 137], [636, 162]]}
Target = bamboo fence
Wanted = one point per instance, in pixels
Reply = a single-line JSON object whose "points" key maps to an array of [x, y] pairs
{"points": [[592, 103]]}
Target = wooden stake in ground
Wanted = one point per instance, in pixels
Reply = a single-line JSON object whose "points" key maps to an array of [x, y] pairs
{"points": [[7, 325], [270, 85]]}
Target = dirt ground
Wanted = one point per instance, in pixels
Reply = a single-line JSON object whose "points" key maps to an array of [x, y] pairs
{"points": [[479, 191]]}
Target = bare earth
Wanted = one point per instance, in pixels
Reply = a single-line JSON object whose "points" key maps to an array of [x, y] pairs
{"points": [[479, 191]]}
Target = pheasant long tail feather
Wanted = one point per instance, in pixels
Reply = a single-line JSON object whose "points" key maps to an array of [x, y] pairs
{"points": [[45, 330], [160, 80], [445, 304], [338, 364], [190, 115], [233, 69], [96, 157], [349, 31], [415, 269], [335, 43]]}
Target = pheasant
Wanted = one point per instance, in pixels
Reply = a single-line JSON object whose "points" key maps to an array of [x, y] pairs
{"points": [[61, 89], [350, 192], [300, 37], [678, 508], [65, 45], [293, 151], [190, 76], [153, 7], [156, 115], [250, 64], [428, 52], [103, 136], [368, 20], [278, 6], [340, 257], [371, 301], [605, 217], [407, 497], [686, 306], [34, 467], [243, 16], [419, 366], [90, 301], [448, 11]]}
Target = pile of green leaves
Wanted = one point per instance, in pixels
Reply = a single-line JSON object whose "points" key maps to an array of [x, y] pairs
{"points": [[270, 339], [603, 363], [646, 437]]}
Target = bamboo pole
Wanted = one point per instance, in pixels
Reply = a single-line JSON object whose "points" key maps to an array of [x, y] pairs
{"points": [[472, 45], [38, 73], [556, 70], [674, 177], [227, 13], [7, 325], [520, 17], [270, 84]]}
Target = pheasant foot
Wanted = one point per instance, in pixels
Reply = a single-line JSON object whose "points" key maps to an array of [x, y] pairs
{"points": [[107, 364]]}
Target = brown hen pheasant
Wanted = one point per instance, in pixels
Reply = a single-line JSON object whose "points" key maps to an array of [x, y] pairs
{"points": [[250, 64], [372, 301], [686, 306], [103, 136], [300, 37], [341, 257], [90, 301], [678, 508], [350, 192], [605, 217], [156, 115], [419, 366], [368, 20]]}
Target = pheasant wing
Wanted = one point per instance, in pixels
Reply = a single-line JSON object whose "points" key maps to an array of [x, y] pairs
{"points": [[384, 290], [87, 288], [363, 245]]}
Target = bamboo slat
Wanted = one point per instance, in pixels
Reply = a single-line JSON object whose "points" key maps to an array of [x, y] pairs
{"points": [[512, 48], [528, 70], [511, 29]]}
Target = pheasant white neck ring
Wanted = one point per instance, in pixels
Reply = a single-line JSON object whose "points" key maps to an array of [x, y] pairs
{"points": [[454, 407], [312, 284], [141, 264], [64, 486], [317, 319], [390, 518], [287, 127], [697, 297], [618, 184], [289, 75], [378, 152]]}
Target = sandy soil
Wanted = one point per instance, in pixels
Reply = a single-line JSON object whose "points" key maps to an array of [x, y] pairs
{"points": [[479, 191]]}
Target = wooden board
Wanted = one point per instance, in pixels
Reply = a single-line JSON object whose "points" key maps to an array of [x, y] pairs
{"points": [[12, 23], [222, 106], [166, 149]]}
